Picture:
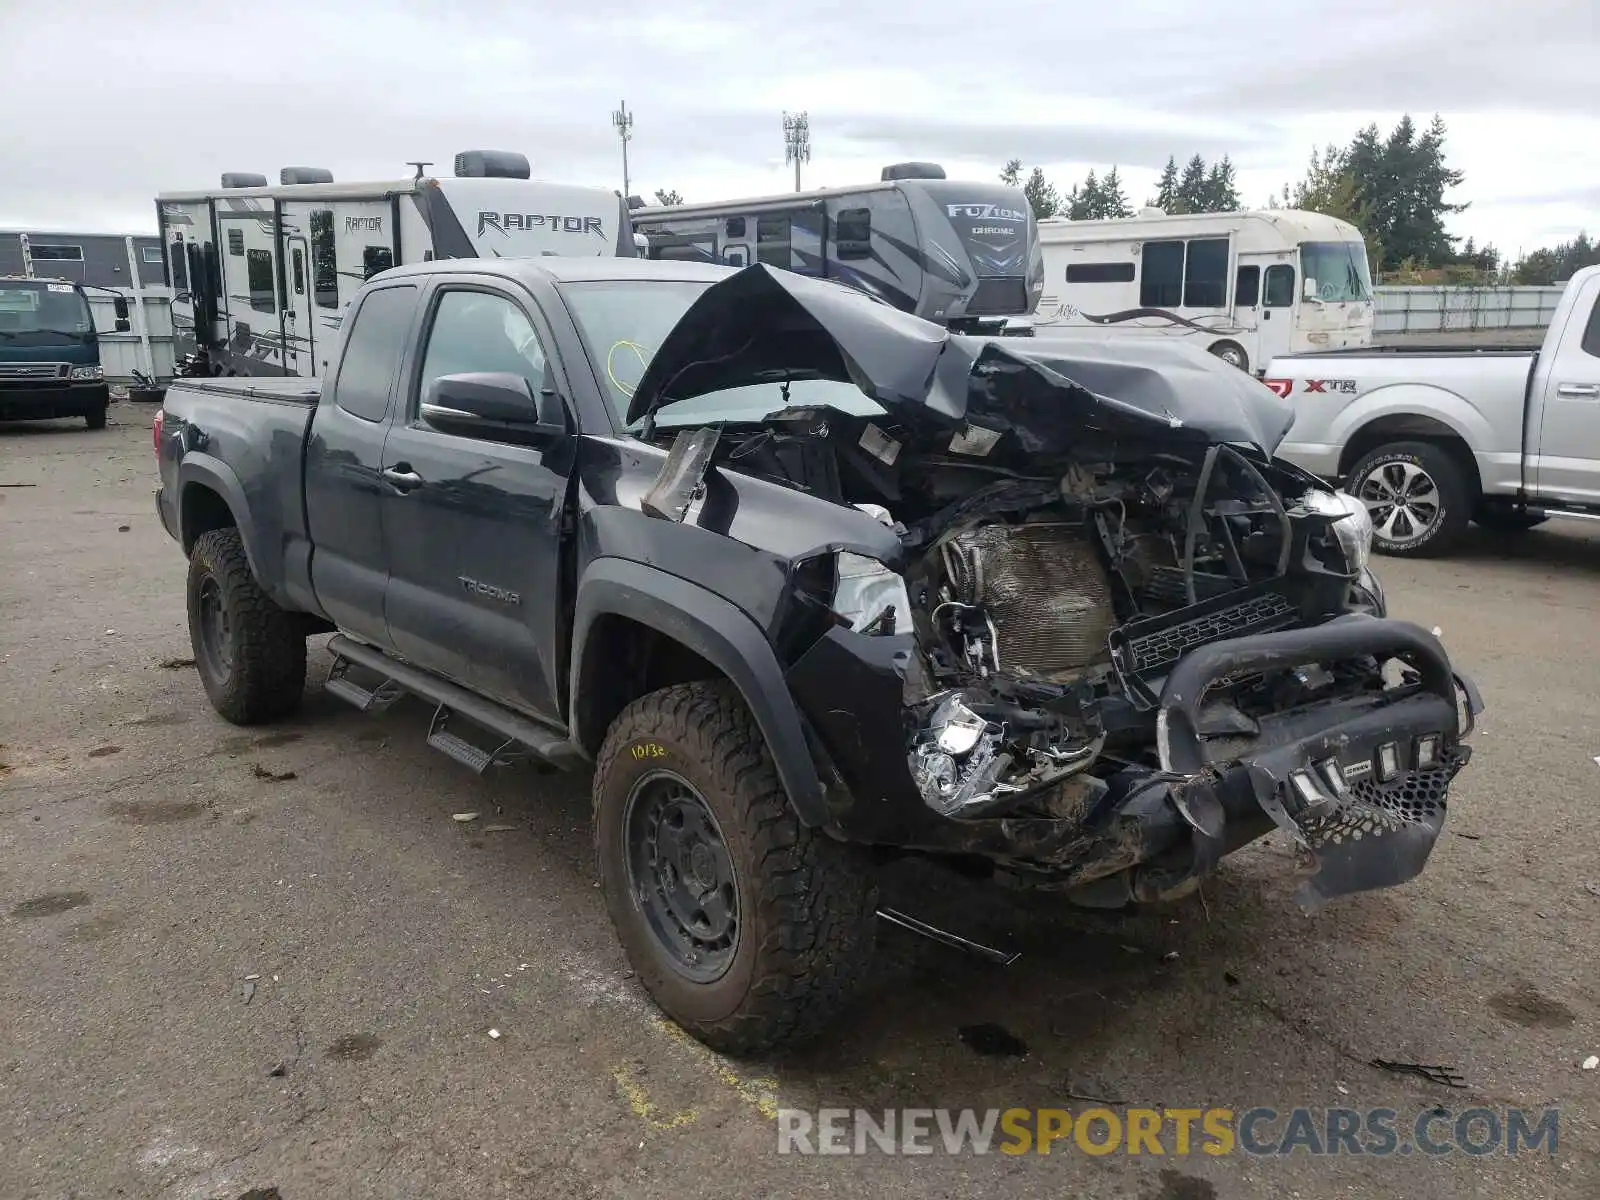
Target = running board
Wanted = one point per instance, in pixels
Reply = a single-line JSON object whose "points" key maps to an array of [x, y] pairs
{"points": [[520, 736]]}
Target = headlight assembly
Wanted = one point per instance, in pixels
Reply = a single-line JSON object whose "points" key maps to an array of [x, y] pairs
{"points": [[1353, 527], [84, 373]]}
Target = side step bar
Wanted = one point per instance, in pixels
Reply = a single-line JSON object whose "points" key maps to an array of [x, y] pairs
{"points": [[520, 735]]}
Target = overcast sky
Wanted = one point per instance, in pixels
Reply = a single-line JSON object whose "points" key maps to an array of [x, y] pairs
{"points": [[109, 103]]}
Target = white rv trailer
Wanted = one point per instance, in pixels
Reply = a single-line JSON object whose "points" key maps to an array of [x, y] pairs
{"points": [[262, 274], [1247, 286]]}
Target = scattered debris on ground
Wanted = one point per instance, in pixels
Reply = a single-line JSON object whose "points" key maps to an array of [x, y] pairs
{"points": [[261, 772], [1448, 1076]]}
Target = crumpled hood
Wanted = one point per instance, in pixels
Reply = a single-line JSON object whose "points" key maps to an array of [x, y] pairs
{"points": [[1048, 392]]}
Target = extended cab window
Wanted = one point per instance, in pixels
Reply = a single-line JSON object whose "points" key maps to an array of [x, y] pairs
{"points": [[480, 331], [373, 342]]}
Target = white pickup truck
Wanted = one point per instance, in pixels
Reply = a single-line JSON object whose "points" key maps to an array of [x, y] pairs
{"points": [[1431, 439]]}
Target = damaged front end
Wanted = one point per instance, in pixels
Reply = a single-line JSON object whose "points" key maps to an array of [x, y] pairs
{"points": [[1119, 640]]}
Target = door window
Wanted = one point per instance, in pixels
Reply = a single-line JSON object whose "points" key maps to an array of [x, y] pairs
{"points": [[1247, 287], [1591, 332], [1280, 286], [372, 347], [258, 271], [480, 331]]}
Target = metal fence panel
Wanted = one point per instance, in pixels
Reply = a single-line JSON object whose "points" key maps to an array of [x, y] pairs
{"points": [[1413, 309], [147, 346]]}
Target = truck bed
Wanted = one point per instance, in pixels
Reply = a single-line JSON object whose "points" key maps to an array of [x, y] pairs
{"points": [[1443, 350]]}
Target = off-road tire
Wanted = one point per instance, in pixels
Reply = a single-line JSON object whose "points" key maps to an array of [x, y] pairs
{"points": [[267, 675], [95, 420], [1456, 501], [807, 903]]}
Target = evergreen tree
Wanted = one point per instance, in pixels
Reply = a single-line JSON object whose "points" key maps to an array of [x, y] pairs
{"points": [[1556, 264], [1011, 174], [1083, 202], [668, 197], [1042, 195], [1191, 195], [1221, 195], [1113, 202], [1167, 187]]}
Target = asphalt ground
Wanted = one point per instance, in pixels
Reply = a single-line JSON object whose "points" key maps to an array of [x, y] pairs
{"points": [[244, 960]]}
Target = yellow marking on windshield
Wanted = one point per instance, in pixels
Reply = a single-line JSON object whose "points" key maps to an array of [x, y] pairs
{"points": [[642, 353]]}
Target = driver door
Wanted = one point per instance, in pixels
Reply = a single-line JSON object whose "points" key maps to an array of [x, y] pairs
{"points": [[473, 529]]}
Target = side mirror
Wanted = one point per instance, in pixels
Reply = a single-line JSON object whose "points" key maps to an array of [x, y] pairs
{"points": [[120, 307], [1308, 288], [121, 325], [495, 405]]}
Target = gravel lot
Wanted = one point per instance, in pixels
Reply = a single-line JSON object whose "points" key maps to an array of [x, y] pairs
{"points": [[244, 960]]}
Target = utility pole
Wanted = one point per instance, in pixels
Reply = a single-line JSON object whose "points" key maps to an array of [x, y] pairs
{"points": [[796, 142], [622, 122]]}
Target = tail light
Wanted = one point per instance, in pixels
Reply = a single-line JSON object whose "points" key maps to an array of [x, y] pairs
{"points": [[155, 430]]}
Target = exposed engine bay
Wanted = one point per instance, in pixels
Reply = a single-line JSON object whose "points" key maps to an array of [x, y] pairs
{"points": [[1125, 641]]}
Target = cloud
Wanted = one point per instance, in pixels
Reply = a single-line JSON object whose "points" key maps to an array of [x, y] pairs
{"points": [[189, 91]]}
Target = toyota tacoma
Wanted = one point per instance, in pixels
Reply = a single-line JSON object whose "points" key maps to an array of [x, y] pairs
{"points": [[813, 583]]}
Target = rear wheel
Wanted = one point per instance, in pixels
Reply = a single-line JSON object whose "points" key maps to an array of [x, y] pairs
{"points": [[251, 654], [1233, 354], [747, 928], [1417, 495]]}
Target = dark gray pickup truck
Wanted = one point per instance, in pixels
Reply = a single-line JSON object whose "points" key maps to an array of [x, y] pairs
{"points": [[812, 583]]}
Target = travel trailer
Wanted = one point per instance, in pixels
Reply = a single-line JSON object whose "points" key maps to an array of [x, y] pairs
{"points": [[1247, 286], [957, 253], [262, 274]]}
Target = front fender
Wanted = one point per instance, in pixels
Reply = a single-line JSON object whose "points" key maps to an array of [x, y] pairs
{"points": [[721, 634]]}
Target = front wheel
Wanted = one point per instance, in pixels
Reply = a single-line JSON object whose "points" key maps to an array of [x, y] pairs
{"points": [[749, 929], [250, 653], [95, 420], [1417, 496]]}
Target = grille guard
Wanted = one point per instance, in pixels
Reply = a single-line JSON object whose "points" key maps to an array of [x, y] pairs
{"points": [[1362, 834]]}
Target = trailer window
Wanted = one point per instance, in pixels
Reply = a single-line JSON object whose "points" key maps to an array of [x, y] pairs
{"points": [[44, 253], [735, 227], [236, 242], [772, 241], [1161, 280], [180, 267], [1100, 272], [150, 254], [1247, 287], [372, 348], [684, 249], [853, 233], [324, 269], [258, 271], [297, 261], [1205, 274], [375, 259], [1280, 286]]}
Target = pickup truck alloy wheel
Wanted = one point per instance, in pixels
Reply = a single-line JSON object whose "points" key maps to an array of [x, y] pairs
{"points": [[679, 870], [1416, 496], [746, 927]]}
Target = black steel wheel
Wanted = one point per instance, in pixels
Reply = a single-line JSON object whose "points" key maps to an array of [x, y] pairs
{"points": [[748, 928], [680, 871]]}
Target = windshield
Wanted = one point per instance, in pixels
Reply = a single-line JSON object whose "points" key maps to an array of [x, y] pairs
{"points": [[36, 306], [622, 322], [1339, 269]]}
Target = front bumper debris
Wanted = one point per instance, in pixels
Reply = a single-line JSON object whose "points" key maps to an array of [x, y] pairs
{"points": [[1359, 783]]}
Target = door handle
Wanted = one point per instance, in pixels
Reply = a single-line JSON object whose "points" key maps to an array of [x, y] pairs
{"points": [[402, 480], [1578, 391]]}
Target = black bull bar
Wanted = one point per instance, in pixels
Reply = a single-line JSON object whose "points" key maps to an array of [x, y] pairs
{"points": [[1362, 796]]}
